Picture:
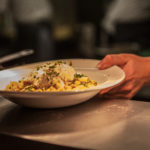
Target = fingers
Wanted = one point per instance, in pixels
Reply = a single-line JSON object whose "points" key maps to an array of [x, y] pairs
{"points": [[111, 60], [126, 90], [109, 89], [125, 95], [134, 91], [113, 89]]}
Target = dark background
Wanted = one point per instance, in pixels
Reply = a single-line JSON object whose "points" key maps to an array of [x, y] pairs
{"points": [[74, 31]]}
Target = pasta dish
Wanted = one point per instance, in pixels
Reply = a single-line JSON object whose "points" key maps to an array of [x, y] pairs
{"points": [[52, 76]]}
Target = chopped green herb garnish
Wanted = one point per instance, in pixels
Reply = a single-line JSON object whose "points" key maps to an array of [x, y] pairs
{"points": [[76, 75], [59, 62], [37, 68], [50, 73], [28, 88], [84, 84], [52, 67]]}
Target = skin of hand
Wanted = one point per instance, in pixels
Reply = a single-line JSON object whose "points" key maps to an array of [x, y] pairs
{"points": [[137, 71]]}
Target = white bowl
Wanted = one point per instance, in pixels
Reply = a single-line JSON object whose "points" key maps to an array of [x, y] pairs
{"points": [[105, 78]]}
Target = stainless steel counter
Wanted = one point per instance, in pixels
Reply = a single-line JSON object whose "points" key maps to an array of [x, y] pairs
{"points": [[95, 124]]}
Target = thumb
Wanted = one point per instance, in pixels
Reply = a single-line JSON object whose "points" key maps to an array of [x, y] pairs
{"points": [[111, 60]]}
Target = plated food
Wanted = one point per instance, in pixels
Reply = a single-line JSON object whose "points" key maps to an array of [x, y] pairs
{"points": [[52, 76], [65, 85]]}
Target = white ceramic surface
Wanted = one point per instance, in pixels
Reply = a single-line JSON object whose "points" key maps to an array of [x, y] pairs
{"points": [[105, 78]]}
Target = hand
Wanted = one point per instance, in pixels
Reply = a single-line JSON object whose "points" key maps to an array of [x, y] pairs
{"points": [[137, 70]]}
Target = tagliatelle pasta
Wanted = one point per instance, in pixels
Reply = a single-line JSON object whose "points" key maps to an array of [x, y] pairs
{"points": [[52, 76]]}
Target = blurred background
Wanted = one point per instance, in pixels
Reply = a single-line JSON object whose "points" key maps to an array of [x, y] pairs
{"points": [[57, 29]]}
